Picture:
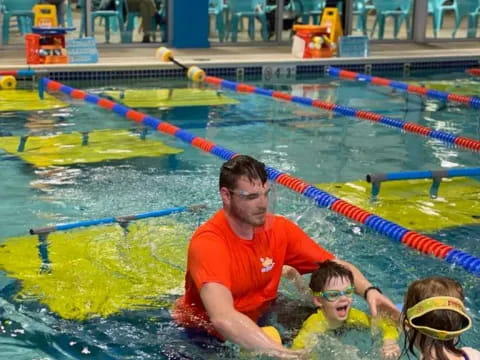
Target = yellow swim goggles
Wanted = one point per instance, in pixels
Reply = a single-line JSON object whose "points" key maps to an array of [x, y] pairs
{"points": [[438, 303]]}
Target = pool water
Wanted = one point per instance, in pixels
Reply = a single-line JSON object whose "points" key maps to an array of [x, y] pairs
{"points": [[308, 143]]}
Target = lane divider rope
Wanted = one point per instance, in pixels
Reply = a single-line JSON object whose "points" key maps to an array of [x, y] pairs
{"points": [[461, 141], [471, 101]]}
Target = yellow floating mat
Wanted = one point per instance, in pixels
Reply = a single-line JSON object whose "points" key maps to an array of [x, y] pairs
{"points": [[147, 98], [67, 149], [407, 202], [463, 87], [27, 100], [102, 270]]}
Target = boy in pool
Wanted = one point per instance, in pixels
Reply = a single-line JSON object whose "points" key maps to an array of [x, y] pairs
{"points": [[434, 317], [332, 289]]}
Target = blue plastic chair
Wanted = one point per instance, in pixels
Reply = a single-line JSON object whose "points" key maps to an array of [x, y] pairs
{"points": [[436, 8], [398, 9], [115, 15], [22, 10], [69, 14], [252, 9], [216, 8], [360, 10], [471, 10], [312, 8], [110, 15]]}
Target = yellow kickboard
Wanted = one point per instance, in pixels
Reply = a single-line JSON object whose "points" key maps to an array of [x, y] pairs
{"points": [[465, 87], [148, 98], [407, 202], [67, 149], [102, 270], [27, 100]]}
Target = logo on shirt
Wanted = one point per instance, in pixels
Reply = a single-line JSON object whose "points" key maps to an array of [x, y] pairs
{"points": [[267, 264]]}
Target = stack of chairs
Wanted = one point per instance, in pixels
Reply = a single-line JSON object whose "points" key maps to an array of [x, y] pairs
{"points": [[250, 9], [398, 9], [437, 8]]}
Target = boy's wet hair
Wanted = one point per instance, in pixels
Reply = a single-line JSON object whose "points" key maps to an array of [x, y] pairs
{"points": [[238, 166], [438, 319], [326, 271]]}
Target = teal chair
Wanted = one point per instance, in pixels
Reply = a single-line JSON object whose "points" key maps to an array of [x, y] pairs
{"points": [[68, 14], [398, 9], [22, 10], [311, 8], [216, 8], [436, 8], [251, 9], [112, 19], [471, 10], [360, 10]]}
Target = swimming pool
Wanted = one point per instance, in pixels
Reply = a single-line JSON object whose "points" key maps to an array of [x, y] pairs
{"points": [[308, 143]]}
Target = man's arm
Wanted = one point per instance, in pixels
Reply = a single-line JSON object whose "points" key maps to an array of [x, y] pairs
{"points": [[375, 299], [235, 326]]}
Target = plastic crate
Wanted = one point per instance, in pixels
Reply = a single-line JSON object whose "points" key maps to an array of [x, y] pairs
{"points": [[353, 46]]}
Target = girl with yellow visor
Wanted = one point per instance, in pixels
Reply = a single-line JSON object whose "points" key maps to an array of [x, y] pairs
{"points": [[434, 318]]}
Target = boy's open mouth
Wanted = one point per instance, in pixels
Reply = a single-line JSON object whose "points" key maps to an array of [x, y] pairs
{"points": [[342, 311]]}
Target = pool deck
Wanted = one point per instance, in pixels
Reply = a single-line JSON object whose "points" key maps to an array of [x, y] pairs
{"points": [[143, 57]]}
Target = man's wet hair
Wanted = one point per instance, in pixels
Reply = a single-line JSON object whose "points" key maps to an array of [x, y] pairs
{"points": [[326, 271], [241, 165]]}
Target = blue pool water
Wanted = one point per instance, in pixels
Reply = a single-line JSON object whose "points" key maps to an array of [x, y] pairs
{"points": [[308, 143]]}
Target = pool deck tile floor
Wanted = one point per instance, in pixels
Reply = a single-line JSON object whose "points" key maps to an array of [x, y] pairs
{"points": [[118, 57]]}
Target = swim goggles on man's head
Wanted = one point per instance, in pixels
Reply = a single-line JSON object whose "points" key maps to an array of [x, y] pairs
{"points": [[245, 195], [334, 295], [438, 303]]}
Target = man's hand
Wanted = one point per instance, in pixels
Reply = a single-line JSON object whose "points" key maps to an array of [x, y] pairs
{"points": [[390, 349], [293, 275], [377, 301], [290, 273]]}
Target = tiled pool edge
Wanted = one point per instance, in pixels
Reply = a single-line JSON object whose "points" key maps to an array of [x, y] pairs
{"points": [[230, 69]]}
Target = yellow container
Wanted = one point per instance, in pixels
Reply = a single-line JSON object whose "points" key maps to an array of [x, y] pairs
{"points": [[45, 16]]}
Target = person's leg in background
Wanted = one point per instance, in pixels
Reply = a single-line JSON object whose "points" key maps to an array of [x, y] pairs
{"points": [[61, 9], [147, 11], [271, 19]]}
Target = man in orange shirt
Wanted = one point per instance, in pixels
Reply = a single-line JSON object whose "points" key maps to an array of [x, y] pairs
{"points": [[235, 262]]}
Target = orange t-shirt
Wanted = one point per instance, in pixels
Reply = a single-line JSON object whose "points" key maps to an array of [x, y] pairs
{"points": [[250, 269]]}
